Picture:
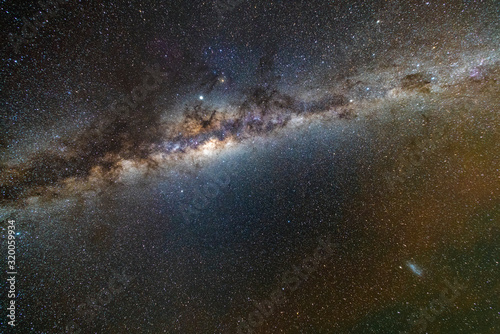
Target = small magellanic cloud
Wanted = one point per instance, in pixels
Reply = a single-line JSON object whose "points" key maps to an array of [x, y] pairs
{"points": [[415, 268]]}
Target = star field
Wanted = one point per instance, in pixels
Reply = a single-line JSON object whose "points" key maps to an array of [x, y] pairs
{"points": [[237, 166]]}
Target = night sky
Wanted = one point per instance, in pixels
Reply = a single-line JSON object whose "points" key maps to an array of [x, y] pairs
{"points": [[247, 166]]}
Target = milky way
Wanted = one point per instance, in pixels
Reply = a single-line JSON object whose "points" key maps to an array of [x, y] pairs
{"points": [[139, 134], [251, 167]]}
